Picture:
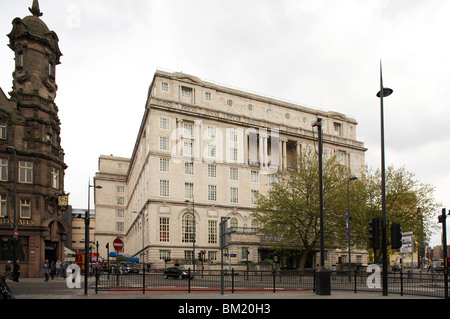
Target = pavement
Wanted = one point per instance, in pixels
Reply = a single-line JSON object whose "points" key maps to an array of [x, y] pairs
{"points": [[36, 288]]}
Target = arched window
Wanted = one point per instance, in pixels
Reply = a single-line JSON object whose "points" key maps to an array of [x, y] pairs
{"points": [[187, 228], [254, 225], [233, 224]]}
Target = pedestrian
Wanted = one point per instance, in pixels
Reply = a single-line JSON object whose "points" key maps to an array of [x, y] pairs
{"points": [[46, 269], [8, 270], [16, 271], [64, 268], [58, 268], [52, 269]]}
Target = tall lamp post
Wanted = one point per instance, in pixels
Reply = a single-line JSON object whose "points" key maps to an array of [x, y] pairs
{"points": [[384, 92], [86, 238], [193, 233], [323, 279], [348, 225]]}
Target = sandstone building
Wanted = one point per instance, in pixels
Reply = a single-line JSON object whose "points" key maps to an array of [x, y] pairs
{"points": [[208, 149], [31, 156]]}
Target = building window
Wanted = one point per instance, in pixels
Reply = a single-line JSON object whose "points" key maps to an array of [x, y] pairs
{"points": [[3, 129], [164, 254], [3, 207], [164, 123], [211, 150], [163, 164], [55, 178], [234, 224], [120, 189], [254, 195], [211, 170], [188, 190], [212, 231], [119, 213], [340, 158], [189, 168], [254, 177], [3, 169], [186, 92], [164, 229], [25, 208], [25, 172], [233, 154], [254, 225], [164, 188], [119, 226], [163, 143], [188, 254], [230, 102], [187, 228], [119, 165], [234, 194], [211, 131], [338, 128], [208, 96], [165, 86], [212, 255], [187, 148], [120, 200], [234, 174], [212, 192]]}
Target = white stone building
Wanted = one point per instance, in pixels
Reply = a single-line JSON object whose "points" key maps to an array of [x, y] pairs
{"points": [[215, 147]]}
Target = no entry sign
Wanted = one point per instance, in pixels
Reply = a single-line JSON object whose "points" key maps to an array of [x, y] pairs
{"points": [[118, 244]]}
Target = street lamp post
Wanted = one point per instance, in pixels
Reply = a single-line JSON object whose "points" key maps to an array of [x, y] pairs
{"points": [[348, 226], [193, 232], [323, 283], [86, 238], [384, 92]]}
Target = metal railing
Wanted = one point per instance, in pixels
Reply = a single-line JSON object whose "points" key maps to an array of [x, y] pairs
{"points": [[154, 280]]}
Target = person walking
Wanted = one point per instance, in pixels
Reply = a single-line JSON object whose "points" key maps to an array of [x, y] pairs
{"points": [[58, 268], [7, 273], [46, 269], [16, 271], [64, 268], [52, 269]]}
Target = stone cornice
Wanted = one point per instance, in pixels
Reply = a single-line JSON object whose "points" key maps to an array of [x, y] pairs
{"points": [[204, 112]]}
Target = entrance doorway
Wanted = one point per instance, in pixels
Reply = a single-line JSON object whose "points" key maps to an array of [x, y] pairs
{"points": [[51, 249]]}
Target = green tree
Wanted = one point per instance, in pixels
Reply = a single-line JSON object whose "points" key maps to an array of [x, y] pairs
{"points": [[409, 203], [289, 213]]}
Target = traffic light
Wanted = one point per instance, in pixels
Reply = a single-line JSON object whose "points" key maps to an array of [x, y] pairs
{"points": [[396, 236], [374, 230]]}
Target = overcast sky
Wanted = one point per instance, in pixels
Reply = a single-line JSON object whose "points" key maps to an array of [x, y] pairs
{"points": [[323, 54]]}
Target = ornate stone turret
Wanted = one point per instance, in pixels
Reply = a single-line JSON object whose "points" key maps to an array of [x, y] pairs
{"points": [[30, 134]]}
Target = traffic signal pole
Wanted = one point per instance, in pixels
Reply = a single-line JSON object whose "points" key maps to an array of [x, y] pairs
{"points": [[442, 219]]}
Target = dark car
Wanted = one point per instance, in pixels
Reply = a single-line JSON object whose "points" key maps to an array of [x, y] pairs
{"points": [[177, 273]]}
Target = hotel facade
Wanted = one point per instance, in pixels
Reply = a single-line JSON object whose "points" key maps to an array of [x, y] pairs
{"points": [[204, 151]]}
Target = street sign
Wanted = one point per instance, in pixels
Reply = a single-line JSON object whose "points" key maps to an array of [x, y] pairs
{"points": [[118, 244], [407, 242]]}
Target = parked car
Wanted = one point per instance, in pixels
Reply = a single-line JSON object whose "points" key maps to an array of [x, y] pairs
{"points": [[177, 273], [396, 268]]}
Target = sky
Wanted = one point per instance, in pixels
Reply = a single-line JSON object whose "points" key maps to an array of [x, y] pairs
{"points": [[323, 54]]}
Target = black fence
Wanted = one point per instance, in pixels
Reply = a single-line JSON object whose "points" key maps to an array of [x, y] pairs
{"points": [[144, 281]]}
